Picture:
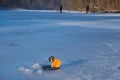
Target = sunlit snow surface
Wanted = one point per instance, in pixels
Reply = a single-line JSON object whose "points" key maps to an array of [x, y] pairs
{"points": [[87, 44]]}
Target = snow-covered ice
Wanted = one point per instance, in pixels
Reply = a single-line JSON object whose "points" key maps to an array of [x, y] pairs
{"points": [[87, 44], [25, 71], [36, 68]]}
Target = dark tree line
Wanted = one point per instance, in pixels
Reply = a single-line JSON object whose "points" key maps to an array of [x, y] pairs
{"points": [[79, 5], [30, 4]]}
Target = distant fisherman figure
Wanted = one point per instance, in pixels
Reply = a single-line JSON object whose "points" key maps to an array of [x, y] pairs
{"points": [[61, 9], [87, 9], [55, 63]]}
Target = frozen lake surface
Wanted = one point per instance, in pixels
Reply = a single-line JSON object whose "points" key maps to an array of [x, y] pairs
{"points": [[87, 44]]}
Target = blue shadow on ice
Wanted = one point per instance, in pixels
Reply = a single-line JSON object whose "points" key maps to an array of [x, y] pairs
{"points": [[77, 62]]}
